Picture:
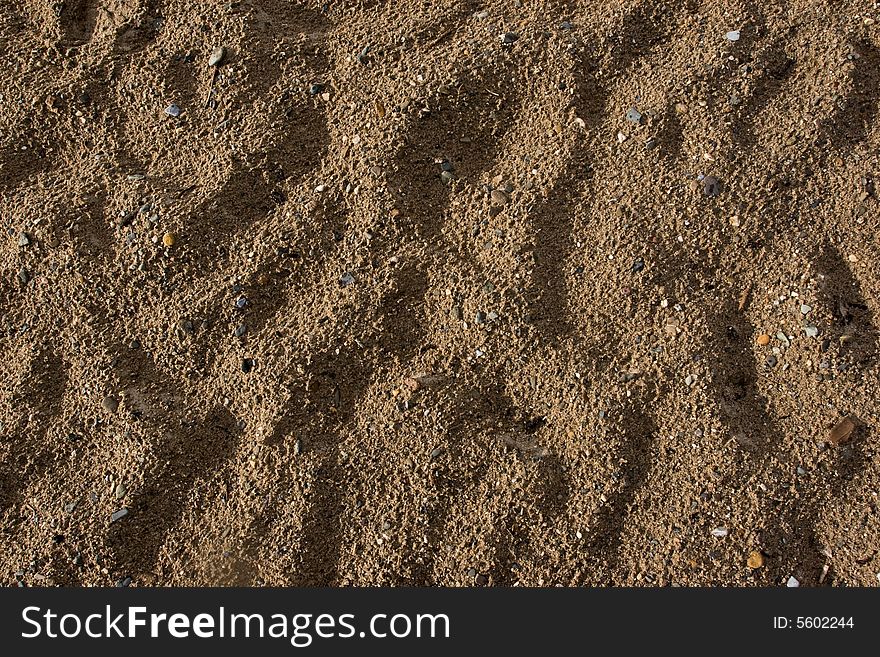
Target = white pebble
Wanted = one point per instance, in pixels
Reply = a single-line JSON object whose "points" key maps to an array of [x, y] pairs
{"points": [[733, 35], [792, 582], [719, 532]]}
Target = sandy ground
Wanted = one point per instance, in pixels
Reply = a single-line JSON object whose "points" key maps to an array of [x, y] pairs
{"points": [[391, 298]]}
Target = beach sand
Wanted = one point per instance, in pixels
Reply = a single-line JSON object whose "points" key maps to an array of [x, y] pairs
{"points": [[445, 293]]}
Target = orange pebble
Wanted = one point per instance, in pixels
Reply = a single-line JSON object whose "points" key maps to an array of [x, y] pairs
{"points": [[763, 340], [756, 560]]}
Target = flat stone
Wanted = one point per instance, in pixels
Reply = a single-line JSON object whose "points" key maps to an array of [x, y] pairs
{"points": [[172, 111], [110, 403], [217, 57], [24, 239], [711, 186], [498, 197], [634, 116], [118, 515]]}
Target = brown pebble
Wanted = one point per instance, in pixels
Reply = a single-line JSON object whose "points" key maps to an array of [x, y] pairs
{"points": [[168, 239], [841, 431], [110, 404], [756, 560], [380, 109], [499, 197], [763, 340]]}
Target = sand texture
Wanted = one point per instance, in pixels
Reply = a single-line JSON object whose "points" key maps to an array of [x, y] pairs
{"points": [[451, 293]]}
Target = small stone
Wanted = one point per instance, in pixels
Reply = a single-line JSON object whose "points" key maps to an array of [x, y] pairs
{"points": [[638, 265], [346, 279], [446, 177], [172, 110], [509, 37], [437, 451], [386, 526], [771, 361], [719, 532], [480, 318], [168, 239], [298, 446], [217, 57], [634, 116], [110, 404], [792, 582], [240, 330], [756, 560], [733, 35], [118, 515], [123, 583], [481, 580], [316, 88], [498, 197], [24, 276], [805, 309], [247, 365], [711, 186], [24, 239], [763, 340], [811, 331], [241, 303], [841, 431], [120, 491]]}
